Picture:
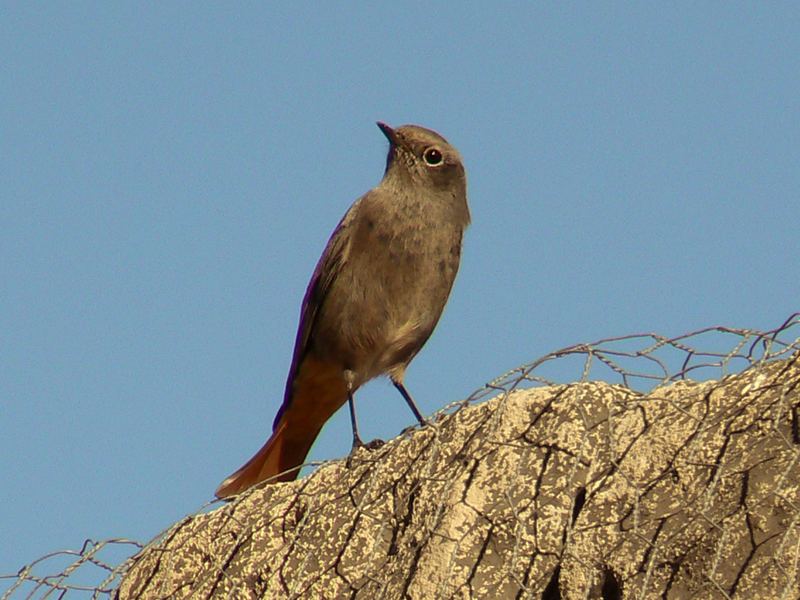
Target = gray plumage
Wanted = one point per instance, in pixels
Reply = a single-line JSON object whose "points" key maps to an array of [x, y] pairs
{"points": [[387, 271], [374, 298]]}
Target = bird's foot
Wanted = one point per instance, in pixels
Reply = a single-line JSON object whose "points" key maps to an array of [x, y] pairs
{"points": [[358, 444], [374, 444], [415, 426]]}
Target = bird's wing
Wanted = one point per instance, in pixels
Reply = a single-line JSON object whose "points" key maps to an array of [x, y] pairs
{"points": [[329, 265]]}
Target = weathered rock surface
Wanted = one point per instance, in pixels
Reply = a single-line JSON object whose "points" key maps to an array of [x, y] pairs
{"points": [[572, 491]]}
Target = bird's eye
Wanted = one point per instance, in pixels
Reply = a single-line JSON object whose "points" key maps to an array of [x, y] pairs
{"points": [[433, 157]]}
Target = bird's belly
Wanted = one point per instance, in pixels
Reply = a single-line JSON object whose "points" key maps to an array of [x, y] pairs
{"points": [[380, 321]]}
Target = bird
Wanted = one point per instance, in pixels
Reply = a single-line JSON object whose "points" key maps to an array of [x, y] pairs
{"points": [[374, 298]]}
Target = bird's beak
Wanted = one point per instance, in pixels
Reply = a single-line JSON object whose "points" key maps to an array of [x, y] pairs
{"points": [[388, 132]]}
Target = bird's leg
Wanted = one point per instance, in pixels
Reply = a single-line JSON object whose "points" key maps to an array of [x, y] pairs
{"points": [[357, 443], [410, 401], [349, 376]]}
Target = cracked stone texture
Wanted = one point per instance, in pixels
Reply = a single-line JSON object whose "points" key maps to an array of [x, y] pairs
{"points": [[586, 490]]}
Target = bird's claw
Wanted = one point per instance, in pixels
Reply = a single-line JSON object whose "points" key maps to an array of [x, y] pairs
{"points": [[358, 444]]}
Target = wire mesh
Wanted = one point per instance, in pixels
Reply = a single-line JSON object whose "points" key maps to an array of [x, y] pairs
{"points": [[639, 362], [93, 571], [642, 361]]}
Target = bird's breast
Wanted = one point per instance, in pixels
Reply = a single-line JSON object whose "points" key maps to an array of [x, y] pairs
{"points": [[390, 292]]}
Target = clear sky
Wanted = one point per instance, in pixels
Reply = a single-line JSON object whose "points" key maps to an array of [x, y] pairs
{"points": [[170, 173]]}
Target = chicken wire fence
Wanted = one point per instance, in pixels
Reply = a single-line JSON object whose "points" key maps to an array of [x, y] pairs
{"points": [[639, 362]]}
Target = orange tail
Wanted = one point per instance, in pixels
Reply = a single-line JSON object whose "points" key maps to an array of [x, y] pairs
{"points": [[318, 391], [266, 463]]}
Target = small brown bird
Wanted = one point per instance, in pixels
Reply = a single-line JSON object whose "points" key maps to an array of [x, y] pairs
{"points": [[374, 298]]}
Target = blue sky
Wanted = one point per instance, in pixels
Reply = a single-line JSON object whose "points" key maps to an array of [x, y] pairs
{"points": [[171, 172]]}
